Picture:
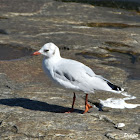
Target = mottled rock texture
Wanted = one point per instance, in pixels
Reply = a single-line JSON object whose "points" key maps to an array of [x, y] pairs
{"points": [[105, 39]]}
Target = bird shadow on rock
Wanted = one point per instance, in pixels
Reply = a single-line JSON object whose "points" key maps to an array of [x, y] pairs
{"points": [[36, 105]]}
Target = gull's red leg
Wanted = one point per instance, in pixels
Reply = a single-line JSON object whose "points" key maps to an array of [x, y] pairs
{"points": [[72, 108], [87, 106]]}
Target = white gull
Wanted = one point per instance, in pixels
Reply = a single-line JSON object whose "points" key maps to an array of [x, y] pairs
{"points": [[71, 74]]}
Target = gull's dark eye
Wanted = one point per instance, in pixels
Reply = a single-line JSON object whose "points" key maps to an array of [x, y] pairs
{"points": [[46, 50]]}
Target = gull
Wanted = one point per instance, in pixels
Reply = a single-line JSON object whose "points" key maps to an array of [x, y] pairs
{"points": [[73, 75]]}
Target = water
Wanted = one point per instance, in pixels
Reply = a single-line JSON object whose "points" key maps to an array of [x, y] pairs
{"points": [[9, 52], [124, 4], [126, 61], [120, 102], [129, 63], [111, 25]]}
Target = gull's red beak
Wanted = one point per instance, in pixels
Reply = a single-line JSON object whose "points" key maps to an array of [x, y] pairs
{"points": [[36, 53]]}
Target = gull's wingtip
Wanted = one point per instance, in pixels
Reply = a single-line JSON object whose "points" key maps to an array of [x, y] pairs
{"points": [[115, 88]]}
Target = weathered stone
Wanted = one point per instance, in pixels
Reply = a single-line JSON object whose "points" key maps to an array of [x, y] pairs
{"points": [[105, 39], [122, 136]]}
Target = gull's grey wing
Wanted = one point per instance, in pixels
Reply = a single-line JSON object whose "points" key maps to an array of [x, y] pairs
{"points": [[77, 76], [73, 74], [88, 70], [72, 70]]}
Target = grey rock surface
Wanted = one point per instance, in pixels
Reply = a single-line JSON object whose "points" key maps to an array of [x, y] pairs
{"points": [[105, 39]]}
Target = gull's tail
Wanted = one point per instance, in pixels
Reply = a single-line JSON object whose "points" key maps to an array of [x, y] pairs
{"points": [[107, 85]]}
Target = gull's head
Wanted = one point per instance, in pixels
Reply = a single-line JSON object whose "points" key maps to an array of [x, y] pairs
{"points": [[48, 50]]}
